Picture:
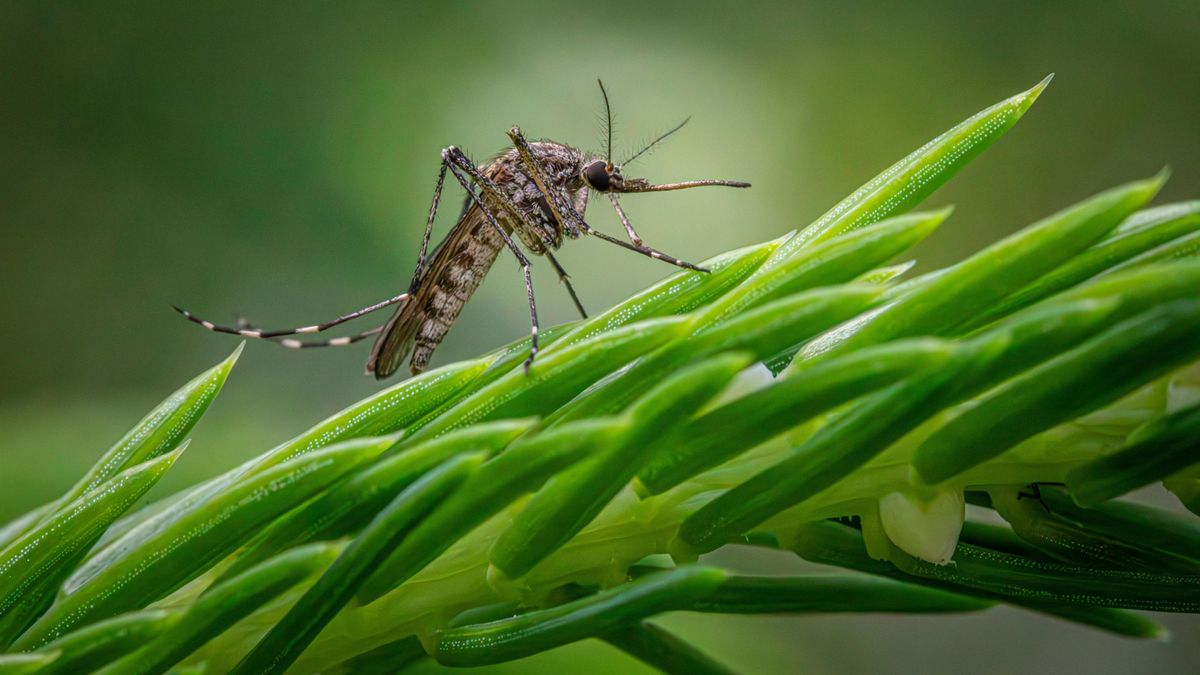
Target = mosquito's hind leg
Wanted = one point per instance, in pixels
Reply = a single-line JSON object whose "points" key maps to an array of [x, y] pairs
{"points": [[292, 343], [248, 332], [512, 246], [243, 323], [244, 329]]}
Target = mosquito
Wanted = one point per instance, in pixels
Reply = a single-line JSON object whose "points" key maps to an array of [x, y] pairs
{"points": [[536, 190]]}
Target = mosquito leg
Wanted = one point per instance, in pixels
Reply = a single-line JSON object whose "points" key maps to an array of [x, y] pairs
{"points": [[459, 162], [566, 279], [633, 235], [637, 241], [533, 318], [437, 196], [512, 246], [644, 250], [245, 329], [267, 334], [292, 343]]}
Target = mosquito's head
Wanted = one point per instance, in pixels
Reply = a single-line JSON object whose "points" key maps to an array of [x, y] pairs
{"points": [[602, 176]]}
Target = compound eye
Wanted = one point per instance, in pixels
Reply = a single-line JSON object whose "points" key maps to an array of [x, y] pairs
{"points": [[596, 175]]}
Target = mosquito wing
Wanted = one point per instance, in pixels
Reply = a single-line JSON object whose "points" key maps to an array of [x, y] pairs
{"points": [[458, 265], [394, 342]]}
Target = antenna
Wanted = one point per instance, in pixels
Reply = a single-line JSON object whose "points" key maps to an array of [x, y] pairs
{"points": [[656, 141], [607, 123]]}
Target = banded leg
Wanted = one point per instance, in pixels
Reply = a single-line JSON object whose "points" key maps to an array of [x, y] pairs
{"points": [[633, 235], [268, 334], [644, 250], [292, 343], [512, 246]]}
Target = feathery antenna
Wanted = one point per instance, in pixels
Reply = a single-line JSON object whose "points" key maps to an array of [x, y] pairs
{"points": [[656, 141], [607, 123]]}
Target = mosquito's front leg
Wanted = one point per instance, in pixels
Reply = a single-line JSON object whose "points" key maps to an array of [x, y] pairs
{"points": [[633, 235], [512, 246], [637, 247], [644, 250], [636, 241]]}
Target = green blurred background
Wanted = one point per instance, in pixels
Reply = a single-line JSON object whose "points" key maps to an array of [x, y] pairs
{"points": [[276, 161]]}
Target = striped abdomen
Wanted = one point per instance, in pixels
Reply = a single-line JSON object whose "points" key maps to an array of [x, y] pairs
{"points": [[454, 284], [456, 270]]}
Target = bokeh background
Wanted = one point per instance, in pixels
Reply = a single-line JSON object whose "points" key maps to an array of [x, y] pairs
{"points": [[276, 160]]}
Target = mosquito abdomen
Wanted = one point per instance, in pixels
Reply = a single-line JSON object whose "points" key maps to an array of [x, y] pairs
{"points": [[451, 284]]}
